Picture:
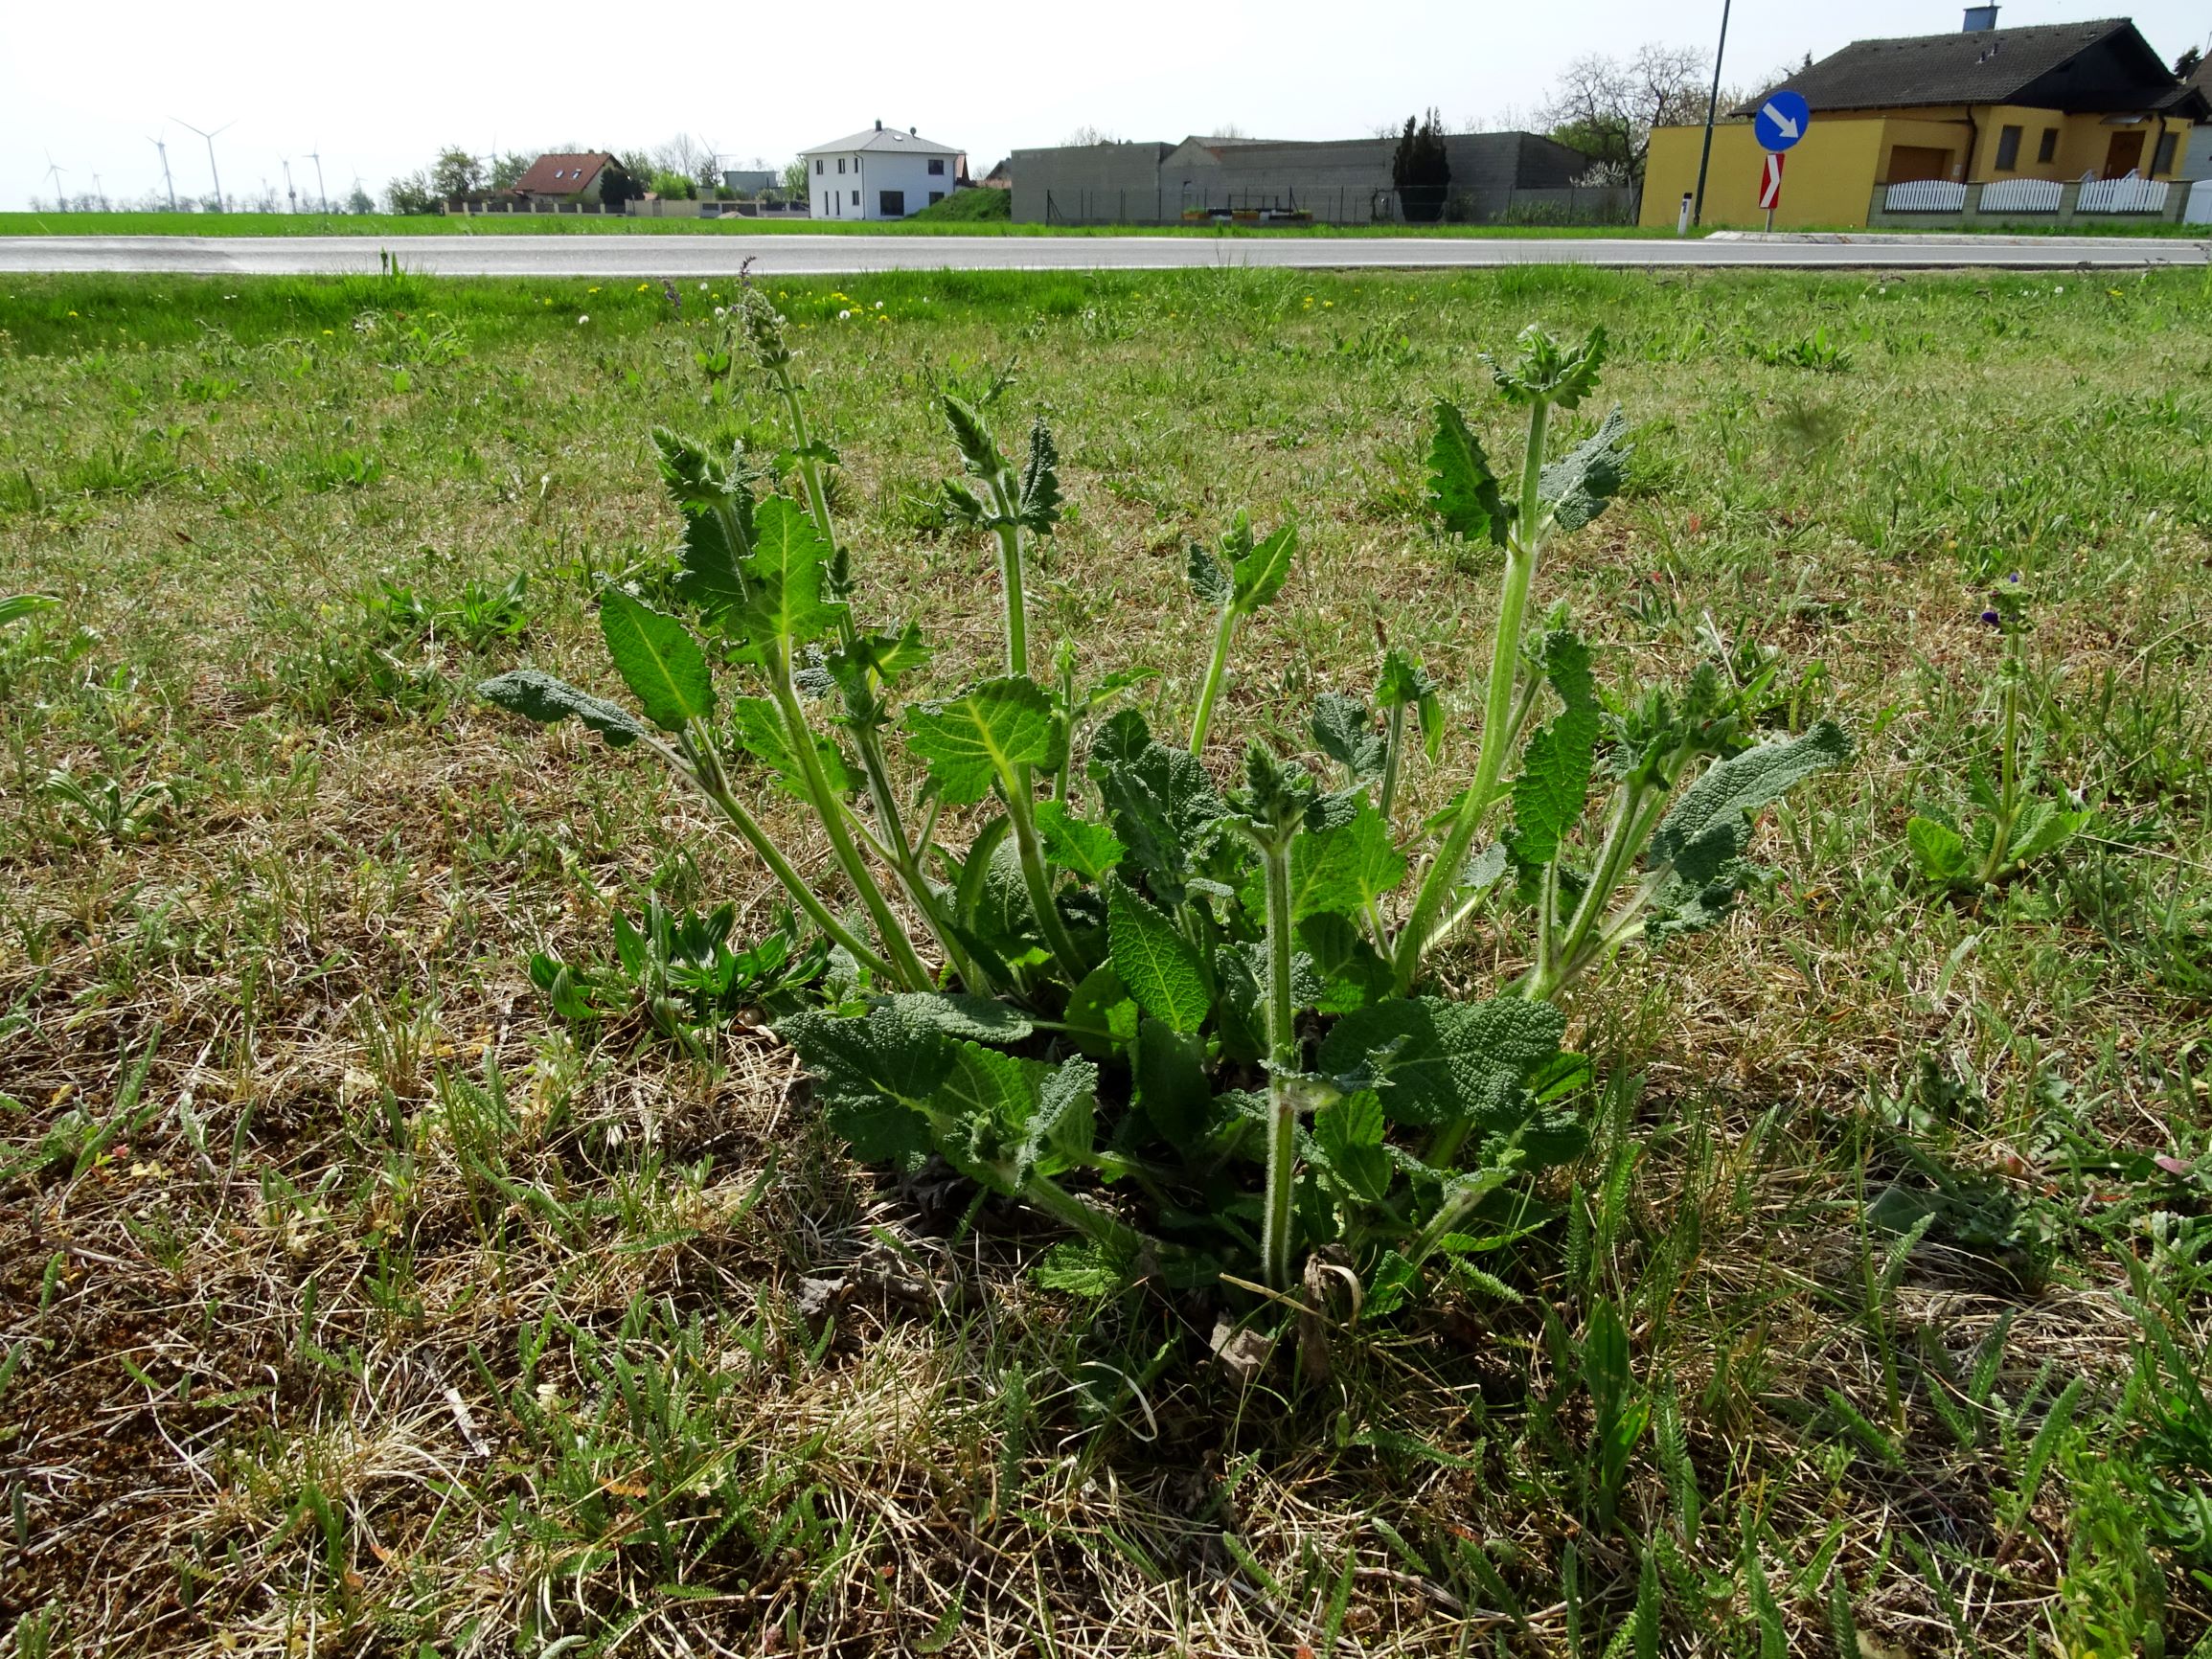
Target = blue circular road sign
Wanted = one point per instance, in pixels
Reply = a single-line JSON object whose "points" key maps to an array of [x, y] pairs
{"points": [[1782, 120]]}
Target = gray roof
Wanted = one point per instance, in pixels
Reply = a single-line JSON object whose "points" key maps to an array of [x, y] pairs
{"points": [[2091, 66], [884, 138]]}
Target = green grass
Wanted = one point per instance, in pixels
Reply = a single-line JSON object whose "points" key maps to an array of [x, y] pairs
{"points": [[970, 207], [356, 1302]]}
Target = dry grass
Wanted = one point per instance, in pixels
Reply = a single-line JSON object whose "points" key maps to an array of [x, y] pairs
{"points": [[394, 1315]]}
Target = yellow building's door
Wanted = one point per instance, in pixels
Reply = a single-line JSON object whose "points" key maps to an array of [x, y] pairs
{"points": [[2125, 157]]}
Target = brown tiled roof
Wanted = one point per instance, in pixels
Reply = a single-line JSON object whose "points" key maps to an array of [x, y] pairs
{"points": [[2100, 65], [562, 174]]}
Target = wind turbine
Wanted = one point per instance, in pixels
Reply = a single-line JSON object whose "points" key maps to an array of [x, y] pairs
{"points": [[100, 193], [290, 195], [322, 198], [167, 181], [211, 137], [54, 172]]}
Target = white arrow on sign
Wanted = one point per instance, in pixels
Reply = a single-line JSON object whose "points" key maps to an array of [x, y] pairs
{"points": [[1782, 124]]}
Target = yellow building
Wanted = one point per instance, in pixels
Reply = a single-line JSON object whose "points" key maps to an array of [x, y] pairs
{"points": [[2059, 102]]}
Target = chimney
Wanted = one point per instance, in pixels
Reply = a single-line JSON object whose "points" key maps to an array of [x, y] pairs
{"points": [[914, 132], [1979, 19], [879, 126]]}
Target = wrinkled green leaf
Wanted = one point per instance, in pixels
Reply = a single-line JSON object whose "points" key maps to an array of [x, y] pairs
{"points": [[1102, 1016], [787, 573], [540, 696], [1404, 683], [1348, 970], [1349, 1134], [1039, 508], [959, 1014], [1578, 485], [1710, 824], [1345, 732], [1159, 800], [1462, 489], [1435, 1061], [1063, 1122], [1171, 1088], [1209, 579], [978, 450], [1555, 780], [1260, 572], [1339, 869], [1549, 370], [1939, 850]]}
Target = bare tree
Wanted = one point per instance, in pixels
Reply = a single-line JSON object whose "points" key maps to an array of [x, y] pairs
{"points": [[692, 157], [1607, 107], [1086, 135]]}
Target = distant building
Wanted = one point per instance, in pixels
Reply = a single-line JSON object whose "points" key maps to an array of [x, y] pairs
{"points": [[1345, 181], [742, 182], [999, 177], [1984, 106], [569, 178], [881, 175]]}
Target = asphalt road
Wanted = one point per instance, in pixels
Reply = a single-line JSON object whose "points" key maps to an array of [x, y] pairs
{"points": [[718, 255]]}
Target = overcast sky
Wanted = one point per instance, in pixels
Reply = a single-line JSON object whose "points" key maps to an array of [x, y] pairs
{"points": [[379, 89]]}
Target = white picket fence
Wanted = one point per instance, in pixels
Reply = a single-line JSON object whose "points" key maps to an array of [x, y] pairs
{"points": [[2122, 196], [1925, 196], [2022, 195]]}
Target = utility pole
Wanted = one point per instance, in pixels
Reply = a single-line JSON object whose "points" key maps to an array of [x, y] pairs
{"points": [[167, 183], [212, 172], [1712, 109]]}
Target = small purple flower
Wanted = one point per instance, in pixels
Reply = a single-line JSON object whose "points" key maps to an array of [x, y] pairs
{"points": [[1994, 621], [2014, 579]]}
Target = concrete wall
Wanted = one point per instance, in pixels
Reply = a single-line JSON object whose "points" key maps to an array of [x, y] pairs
{"points": [[1340, 182]]}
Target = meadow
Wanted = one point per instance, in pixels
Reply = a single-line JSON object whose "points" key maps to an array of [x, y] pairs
{"points": [[367, 1291]]}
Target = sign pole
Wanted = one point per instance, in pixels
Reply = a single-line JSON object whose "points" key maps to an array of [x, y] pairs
{"points": [[1712, 109]]}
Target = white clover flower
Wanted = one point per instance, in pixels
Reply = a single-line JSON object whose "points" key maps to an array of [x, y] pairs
{"points": [[580, 321], [842, 315]]}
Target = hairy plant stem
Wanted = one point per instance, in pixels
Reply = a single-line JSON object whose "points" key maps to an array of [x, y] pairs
{"points": [[909, 968], [1093, 1221], [1282, 1067], [1035, 877], [1007, 530], [699, 767], [1634, 816], [1393, 752], [1521, 548], [906, 856], [1455, 1210], [2008, 763], [1225, 634]]}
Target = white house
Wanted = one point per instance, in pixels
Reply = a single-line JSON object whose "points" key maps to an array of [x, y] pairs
{"points": [[883, 174]]}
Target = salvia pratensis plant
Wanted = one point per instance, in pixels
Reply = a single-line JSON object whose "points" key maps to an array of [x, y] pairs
{"points": [[1185, 1021]]}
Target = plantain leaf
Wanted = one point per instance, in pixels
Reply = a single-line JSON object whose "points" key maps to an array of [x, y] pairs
{"points": [[1576, 485], [1162, 968], [540, 696], [1462, 489], [657, 659], [985, 736]]}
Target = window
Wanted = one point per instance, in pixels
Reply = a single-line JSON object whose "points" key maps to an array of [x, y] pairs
{"points": [[937, 167], [936, 196], [855, 198], [2047, 151], [2162, 160], [2008, 148], [818, 166], [840, 163], [891, 204]]}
